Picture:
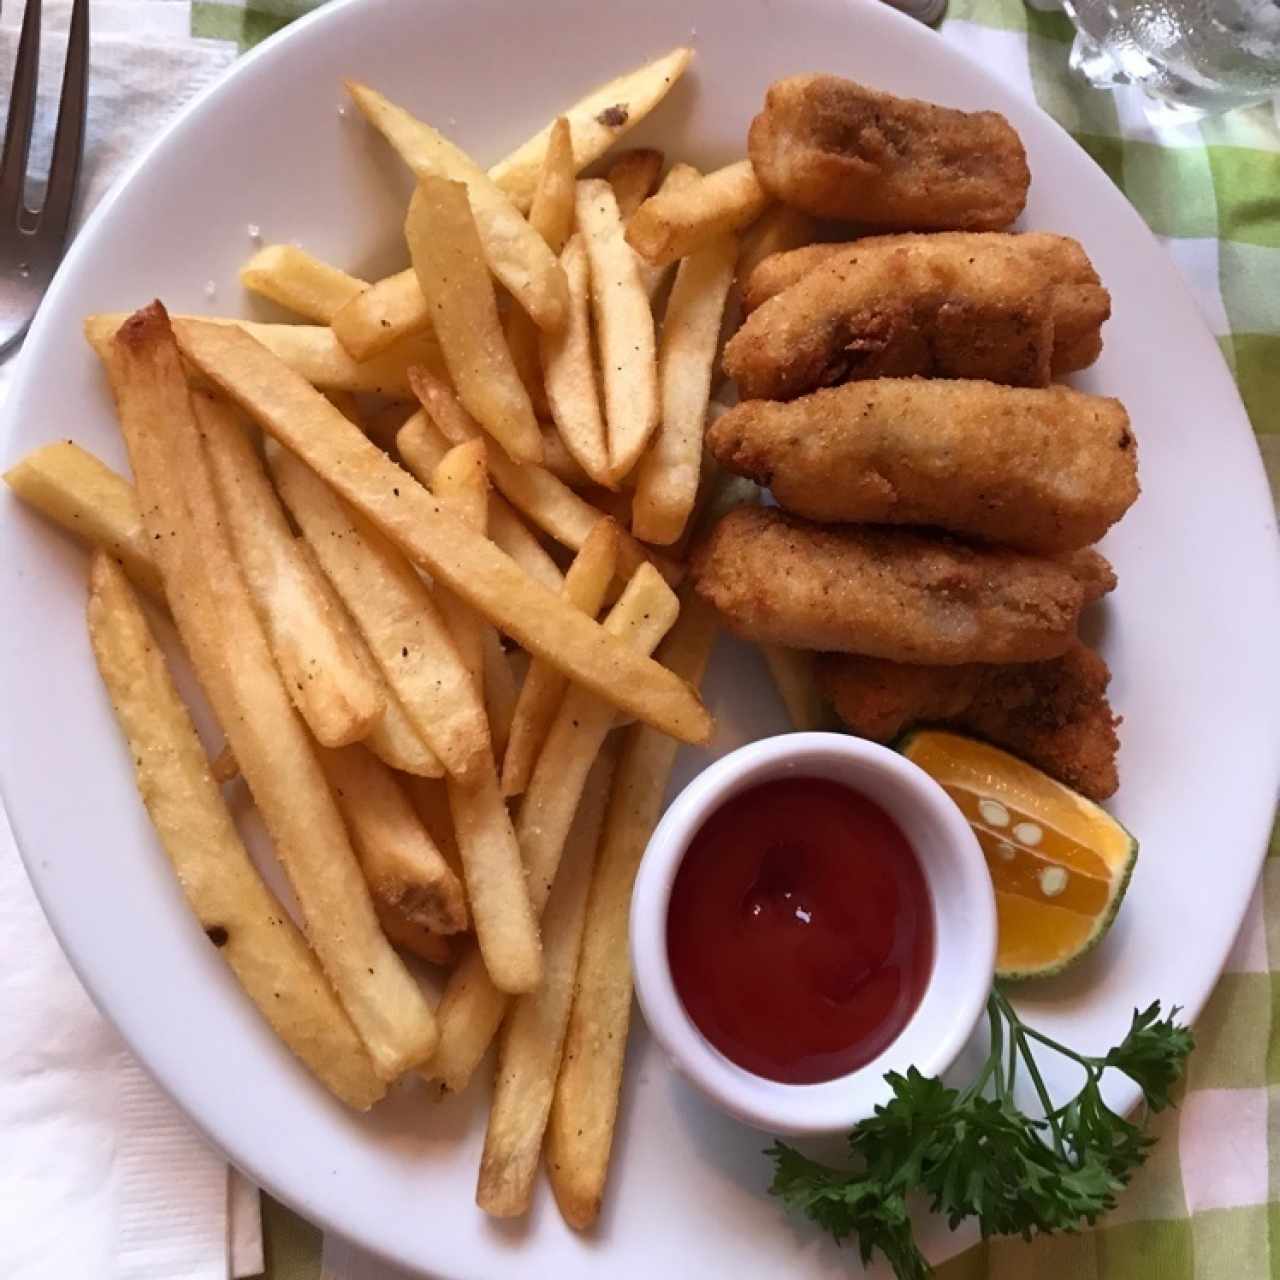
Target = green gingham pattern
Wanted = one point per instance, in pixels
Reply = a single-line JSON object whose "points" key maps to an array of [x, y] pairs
{"points": [[1207, 1204]]}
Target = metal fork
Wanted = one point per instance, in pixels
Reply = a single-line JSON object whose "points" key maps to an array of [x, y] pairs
{"points": [[32, 240]]}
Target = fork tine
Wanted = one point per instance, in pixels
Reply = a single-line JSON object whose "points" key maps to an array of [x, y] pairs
{"points": [[22, 111], [68, 142]]}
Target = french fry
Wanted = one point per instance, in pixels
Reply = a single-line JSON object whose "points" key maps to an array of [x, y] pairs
{"points": [[434, 948], [548, 502], [334, 694], [406, 874], [299, 282], [551, 214], [552, 218], [624, 328], [652, 278], [596, 122], [633, 175], [673, 224], [500, 690], [395, 612], [569, 374], [779, 228], [521, 608], [667, 478], [543, 690], [468, 1022], [560, 462], [430, 800], [215, 617], [461, 483], [392, 737], [583, 1115], [516, 254], [238, 913], [449, 263], [381, 314], [310, 350], [793, 677], [421, 446], [533, 1035], [89, 500]]}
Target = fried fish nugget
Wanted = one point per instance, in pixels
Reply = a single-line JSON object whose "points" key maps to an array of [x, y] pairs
{"points": [[1053, 714], [887, 593], [1080, 304], [1042, 469], [837, 149], [890, 311]]}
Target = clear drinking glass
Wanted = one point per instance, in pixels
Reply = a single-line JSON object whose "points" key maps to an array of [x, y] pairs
{"points": [[1207, 55]]}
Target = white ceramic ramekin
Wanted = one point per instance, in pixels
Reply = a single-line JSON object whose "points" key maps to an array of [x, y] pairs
{"points": [[964, 921]]}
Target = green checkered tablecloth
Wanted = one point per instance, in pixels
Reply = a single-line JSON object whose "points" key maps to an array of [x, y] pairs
{"points": [[1207, 1205]]}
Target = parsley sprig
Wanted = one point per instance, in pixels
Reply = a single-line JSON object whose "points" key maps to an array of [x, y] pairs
{"points": [[975, 1153]]}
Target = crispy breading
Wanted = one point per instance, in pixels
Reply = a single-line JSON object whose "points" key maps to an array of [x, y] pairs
{"points": [[1043, 469], [885, 592], [1053, 714], [837, 149], [1080, 304]]}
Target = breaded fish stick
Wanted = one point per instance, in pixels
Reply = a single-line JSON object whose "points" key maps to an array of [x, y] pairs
{"points": [[887, 593], [941, 306], [1080, 304], [1043, 469], [1055, 714], [839, 150]]}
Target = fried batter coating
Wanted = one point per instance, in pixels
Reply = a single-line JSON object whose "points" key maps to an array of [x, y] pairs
{"points": [[1042, 469], [940, 306], [837, 149], [885, 592], [1054, 714], [1080, 304]]}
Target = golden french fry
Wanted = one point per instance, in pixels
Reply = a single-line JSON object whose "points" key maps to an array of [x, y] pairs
{"points": [[672, 224], [580, 1129], [585, 586], [453, 277], [334, 694], [793, 677], [652, 278], [633, 175], [422, 445], [516, 254], [377, 317], [300, 282], [430, 799], [779, 228], [88, 499], [238, 913], [461, 483], [551, 214], [395, 612], [392, 737], [624, 328], [548, 502], [643, 614], [667, 478], [406, 874], [533, 1035], [522, 337], [215, 617], [595, 123], [533, 616], [569, 374], [310, 350]]}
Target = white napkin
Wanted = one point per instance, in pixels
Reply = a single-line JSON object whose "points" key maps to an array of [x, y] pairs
{"points": [[102, 1176]]}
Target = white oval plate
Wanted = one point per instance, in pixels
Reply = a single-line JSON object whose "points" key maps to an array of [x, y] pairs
{"points": [[1190, 634]]}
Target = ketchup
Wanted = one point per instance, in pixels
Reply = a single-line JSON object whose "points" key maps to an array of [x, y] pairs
{"points": [[800, 930]]}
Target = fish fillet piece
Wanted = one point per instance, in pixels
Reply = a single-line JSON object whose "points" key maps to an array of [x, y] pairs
{"points": [[1054, 714], [1042, 469], [837, 149], [1080, 304], [885, 592], [890, 311]]}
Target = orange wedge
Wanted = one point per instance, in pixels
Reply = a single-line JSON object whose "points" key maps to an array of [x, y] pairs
{"points": [[1059, 863]]}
